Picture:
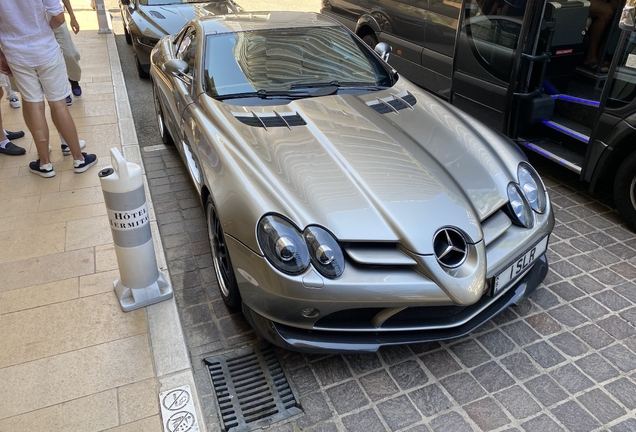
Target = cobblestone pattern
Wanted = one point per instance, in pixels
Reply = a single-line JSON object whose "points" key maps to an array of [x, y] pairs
{"points": [[565, 359]]}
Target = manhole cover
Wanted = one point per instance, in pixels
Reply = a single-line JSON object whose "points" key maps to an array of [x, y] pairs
{"points": [[251, 389]]}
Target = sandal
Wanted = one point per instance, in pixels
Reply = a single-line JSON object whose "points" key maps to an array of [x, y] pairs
{"points": [[605, 66], [596, 68]]}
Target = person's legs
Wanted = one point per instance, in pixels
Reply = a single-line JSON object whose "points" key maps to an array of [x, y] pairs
{"points": [[55, 85], [35, 119], [6, 146], [71, 58], [28, 82], [601, 13], [66, 126], [2, 137]]}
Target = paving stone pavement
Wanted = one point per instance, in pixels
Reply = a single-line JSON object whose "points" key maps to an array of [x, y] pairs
{"points": [[564, 359]]}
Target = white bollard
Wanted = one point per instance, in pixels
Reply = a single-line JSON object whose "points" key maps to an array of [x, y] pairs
{"points": [[141, 282], [103, 18]]}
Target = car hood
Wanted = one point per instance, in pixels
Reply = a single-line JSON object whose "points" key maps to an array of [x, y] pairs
{"points": [[371, 175], [171, 18]]}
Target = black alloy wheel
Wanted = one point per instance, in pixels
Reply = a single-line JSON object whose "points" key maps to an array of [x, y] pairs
{"points": [[383, 21], [221, 260], [166, 138]]}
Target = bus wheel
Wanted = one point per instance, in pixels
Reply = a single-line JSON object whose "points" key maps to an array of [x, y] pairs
{"points": [[370, 40], [625, 191]]}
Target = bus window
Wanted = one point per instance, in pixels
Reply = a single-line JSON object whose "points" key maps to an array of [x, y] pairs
{"points": [[623, 86], [493, 33]]}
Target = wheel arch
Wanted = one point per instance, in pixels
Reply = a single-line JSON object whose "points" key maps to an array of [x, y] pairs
{"points": [[205, 193], [367, 24], [621, 144]]}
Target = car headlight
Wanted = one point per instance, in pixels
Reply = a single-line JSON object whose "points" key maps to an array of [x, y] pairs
{"points": [[324, 251], [519, 206], [283, 245], [532, 187]]}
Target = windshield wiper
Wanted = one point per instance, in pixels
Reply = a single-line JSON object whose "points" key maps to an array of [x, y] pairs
{"points": [[264, 94], [336, 83]]}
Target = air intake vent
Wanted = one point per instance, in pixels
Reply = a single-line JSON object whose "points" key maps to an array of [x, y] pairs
{"points": [[157, 14], [271, 120], [393, 103], [251, 389]]}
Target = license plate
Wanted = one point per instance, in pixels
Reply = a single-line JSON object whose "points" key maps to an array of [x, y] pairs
{"points": [[519, 266]]}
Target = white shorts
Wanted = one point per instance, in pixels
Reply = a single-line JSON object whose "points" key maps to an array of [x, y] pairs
{"points": [[48, 80]]}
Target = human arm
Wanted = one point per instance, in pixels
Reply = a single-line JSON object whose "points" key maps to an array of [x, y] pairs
{"points": [[54, 12], [56, 21], [74, 24]]}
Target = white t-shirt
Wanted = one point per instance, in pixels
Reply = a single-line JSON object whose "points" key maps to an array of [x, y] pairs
{"points": [[26, 36]]}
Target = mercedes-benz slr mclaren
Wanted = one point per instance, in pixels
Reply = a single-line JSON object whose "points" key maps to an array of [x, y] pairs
{"points": [[347, 208]]}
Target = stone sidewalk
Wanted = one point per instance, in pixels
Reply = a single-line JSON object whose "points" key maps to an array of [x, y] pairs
{"points": [[70, 359]]}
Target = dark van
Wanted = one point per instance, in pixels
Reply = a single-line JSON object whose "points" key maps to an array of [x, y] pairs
{"points": [[548, 74]]}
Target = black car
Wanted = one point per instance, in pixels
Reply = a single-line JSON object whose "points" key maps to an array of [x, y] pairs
{"points": [[147, 21]]}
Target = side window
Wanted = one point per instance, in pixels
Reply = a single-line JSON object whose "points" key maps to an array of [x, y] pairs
{"points": [[187, 48], [623, 86], [493, 29]]}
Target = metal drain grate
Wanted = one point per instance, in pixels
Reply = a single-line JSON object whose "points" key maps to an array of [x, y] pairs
{"points": [[251, 389]]}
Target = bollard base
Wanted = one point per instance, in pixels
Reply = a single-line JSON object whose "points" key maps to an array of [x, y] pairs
{"points": [[135, 298]]}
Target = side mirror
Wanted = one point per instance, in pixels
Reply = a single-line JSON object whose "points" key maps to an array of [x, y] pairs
{"points": [[384, 50], [175, 67]]}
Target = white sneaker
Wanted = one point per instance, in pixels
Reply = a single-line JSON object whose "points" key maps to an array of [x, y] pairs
{"points": [[66, 150], [15, 102]]}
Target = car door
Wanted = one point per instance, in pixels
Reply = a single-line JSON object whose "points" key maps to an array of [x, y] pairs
{"points": [[493, 37], [185, 94]]}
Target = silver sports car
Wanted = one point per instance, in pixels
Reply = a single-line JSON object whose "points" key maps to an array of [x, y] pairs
{"points": [[347, 208]]}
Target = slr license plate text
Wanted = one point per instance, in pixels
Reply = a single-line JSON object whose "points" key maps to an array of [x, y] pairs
{"points": [[519, 266]]}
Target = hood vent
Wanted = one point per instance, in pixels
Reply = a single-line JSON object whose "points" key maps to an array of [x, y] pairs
{"points": [[271, 120], [393, 103], [157, 14]]}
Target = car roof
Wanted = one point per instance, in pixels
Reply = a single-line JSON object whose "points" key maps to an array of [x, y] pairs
{"points": [[248, 21]]}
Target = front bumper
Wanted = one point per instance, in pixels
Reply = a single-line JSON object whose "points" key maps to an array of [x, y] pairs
{"points": [[324, 341]]}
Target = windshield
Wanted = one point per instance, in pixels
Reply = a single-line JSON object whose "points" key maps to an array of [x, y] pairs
{"points": [[287, 60]]}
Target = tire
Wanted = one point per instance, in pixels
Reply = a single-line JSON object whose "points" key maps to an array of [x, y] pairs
{"points": [[221, 260], [370, 40], [625, 191], [166, 138], [127, 35]]}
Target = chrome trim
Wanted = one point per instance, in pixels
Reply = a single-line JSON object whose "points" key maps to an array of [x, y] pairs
{"points": [[363, 254], [495, 226], [451, 246]]}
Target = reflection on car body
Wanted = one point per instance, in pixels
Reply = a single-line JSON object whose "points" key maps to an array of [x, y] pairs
{"points": [[347, 208]]}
